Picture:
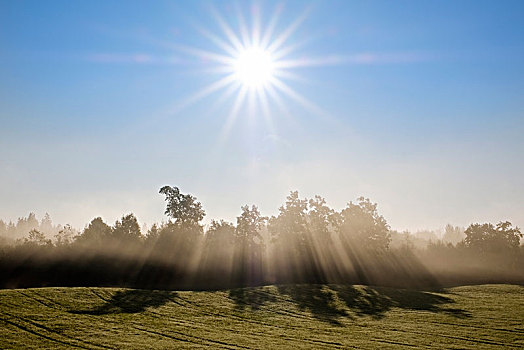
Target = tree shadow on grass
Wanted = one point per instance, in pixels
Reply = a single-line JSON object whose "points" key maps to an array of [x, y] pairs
{"points": [[377, 301], [320, 300], [333, 303], [252, 298], [130, 301]]}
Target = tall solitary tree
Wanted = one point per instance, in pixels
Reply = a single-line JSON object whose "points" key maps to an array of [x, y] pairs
{"points": [[182, 208], [180, 238]]}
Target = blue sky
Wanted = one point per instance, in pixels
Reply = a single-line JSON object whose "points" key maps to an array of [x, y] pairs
{"points": [[416, 105]]}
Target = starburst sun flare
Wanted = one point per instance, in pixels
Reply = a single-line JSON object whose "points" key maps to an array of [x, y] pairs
{"points": [[253, 65]]}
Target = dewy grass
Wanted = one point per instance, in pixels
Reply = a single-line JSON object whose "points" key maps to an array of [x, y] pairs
{"points": [[285, 316]]}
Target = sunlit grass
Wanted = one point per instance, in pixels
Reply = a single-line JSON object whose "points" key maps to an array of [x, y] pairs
{"points": [[289, 316]]}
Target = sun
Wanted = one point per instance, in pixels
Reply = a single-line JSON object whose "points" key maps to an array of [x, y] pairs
{"points": [[254, 67], [254, 62]]}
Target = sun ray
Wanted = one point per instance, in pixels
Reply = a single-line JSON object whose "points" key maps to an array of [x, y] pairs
{"points": [[264, 103], [204, 92], [284, 111], [229, 33], [271, 27], [288, 49], [224, 96], [315, 62], [286, 89], [251, 103], [207, 55], [254, 61], [244, 32], [255, 33], [218, 70], [227, 47], [281, 39], [239, 101], [280, 73]]}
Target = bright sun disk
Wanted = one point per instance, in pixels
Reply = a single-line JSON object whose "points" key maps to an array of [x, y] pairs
{"points": [[254, 67]]}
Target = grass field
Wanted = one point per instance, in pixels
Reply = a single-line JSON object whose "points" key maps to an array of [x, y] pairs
{"points": [[290, 316]]}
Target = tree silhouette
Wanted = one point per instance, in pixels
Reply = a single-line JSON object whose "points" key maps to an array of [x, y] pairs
{"points": [[307, 242], [249, 224], [3, 228], [321, 217], [218, 253], [46, 224], [487, 237], [65, 236], [249, 244], [95, 233], [127, 229], [361, 225], [183, 208], [152, 235], [220, 233], [453, 234], [24, 225], [301, 233], [36, 237], [290, 227]]}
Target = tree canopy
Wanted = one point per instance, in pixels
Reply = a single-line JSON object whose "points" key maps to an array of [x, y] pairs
{"points": [[182, 208], [360, 222], [95, 233], [489, 237], [127, 228]]}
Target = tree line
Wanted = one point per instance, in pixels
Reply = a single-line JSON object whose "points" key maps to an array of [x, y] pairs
{"points": [[307, 241]]}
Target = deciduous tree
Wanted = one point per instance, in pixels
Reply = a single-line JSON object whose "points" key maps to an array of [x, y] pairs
{"points": [[182, 208], [361, 224], [487, 237]]}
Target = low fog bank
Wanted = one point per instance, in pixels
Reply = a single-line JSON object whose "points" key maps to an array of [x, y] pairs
{"points": [[307, 242]]}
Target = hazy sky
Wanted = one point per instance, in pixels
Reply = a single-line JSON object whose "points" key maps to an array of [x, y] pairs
{"points": [[418, 105]]}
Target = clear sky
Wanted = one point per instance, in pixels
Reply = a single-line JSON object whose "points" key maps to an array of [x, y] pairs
{"points": [[418, 105]]}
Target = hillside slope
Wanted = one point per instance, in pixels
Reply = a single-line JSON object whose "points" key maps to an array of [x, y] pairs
{"points": [[290, 316]]}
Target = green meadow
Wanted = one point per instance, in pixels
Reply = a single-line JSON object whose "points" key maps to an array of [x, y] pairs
{"points": [[287, 316]]}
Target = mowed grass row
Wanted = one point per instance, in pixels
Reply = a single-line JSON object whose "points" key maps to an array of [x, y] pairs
{"points": [[289, 316]]}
